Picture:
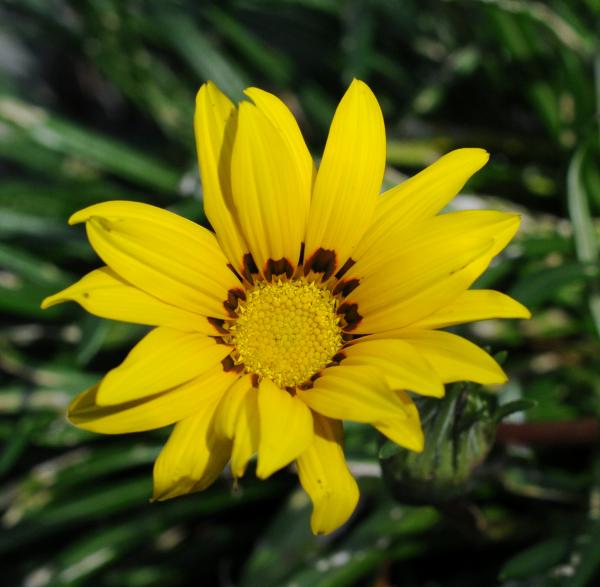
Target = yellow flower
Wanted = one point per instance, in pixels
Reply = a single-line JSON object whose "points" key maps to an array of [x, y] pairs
{"points": [[316, 300]]}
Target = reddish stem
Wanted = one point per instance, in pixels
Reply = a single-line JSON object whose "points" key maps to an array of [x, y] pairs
{"points": [[582, 431]]}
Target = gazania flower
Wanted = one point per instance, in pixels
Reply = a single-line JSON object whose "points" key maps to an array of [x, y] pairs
{"points": [[316, 300]]}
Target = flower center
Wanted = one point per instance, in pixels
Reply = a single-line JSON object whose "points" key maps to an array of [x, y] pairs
{"points": [[286, 331]]}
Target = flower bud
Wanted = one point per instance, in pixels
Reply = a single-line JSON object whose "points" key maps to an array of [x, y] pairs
{"points": [[459, 433]]}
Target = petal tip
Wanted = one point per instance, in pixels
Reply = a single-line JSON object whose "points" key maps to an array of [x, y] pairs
{"points": [[79, 217], [50, 301]]}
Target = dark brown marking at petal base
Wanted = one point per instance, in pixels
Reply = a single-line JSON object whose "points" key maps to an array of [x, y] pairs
{"points": [[321, 261], [255, 380], [346, 287], [345, 268], [229, 365], [306, 385], [338, 357], [249, 268], [301, 257], [233, 298], [350, 314], [280, 267], [218, 323]]}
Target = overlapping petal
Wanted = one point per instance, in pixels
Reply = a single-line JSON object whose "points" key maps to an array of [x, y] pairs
{"points": [[284, 121], [152, 412], [353, 392], [422, 195], [103, 293], [192, 458], [165, 255], [349, 178], [390, 300], [215, 123], [228, 411], [401, 248], [325, 477], [163, 359], [406, 432], [286, 428], [247, 433], [271, 185], [454, 358], [402, 366]]}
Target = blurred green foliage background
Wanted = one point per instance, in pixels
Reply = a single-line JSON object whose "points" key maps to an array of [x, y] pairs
{"points": [[96, 103]]}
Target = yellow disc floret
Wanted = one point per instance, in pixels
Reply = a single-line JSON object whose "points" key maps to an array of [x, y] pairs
{"points": [[287, 331]]}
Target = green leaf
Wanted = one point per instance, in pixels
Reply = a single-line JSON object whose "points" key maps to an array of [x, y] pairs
{"points": [[63, 137], [537, 559]]}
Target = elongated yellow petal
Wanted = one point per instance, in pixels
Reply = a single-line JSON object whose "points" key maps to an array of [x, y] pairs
{"points": [[430, 237], [163, 254], [403, 313], [163, 359], [406, 432], [415, 286], [149, 413], [192, 458], [215, 123], [228, 411], [286, 428], [473, 305], [353, 392], [454, 358], [271, 192], [401, 365], [423, 195], [348, 180], [325, 477], [103, 293], [281, 117], [247, 430]]}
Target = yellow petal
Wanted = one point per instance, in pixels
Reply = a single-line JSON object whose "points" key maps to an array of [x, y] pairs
{"points": [[353, 392], [407, 432], [415, 286], [424, 303], [454, 358], [163, 254], [103, 293], [401, 365], [422, 242], [473, 305], [349, 178], [271, 192], [163, 359], [246, 437], [215, 123], [436, 262], [286, 428], [325, 477], [192, 458], [281, 117], [149, 413], [227, 413], [423, 195]]}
